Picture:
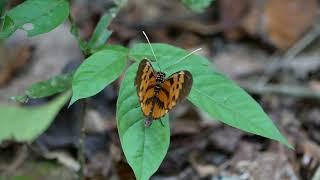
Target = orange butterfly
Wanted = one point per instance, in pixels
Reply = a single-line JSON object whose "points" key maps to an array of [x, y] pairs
{"points": [[158, 95]]}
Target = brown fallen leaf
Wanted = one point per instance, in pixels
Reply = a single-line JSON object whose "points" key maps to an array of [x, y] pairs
{"points": [[12, 59], [278, 23], [231, 14]]}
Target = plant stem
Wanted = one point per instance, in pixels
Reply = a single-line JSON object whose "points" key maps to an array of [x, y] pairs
{"points": [[85, 51], [83, 104], [81, 146]]}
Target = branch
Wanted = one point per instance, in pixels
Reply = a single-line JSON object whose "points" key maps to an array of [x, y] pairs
{"points": [[81, 146], [297, 48]]}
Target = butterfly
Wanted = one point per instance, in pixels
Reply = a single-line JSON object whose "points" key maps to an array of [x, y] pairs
{"points": [[158, 95]]}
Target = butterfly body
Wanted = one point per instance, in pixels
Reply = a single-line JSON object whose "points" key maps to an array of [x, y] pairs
{"points": [[157, 94], [159, 81]]}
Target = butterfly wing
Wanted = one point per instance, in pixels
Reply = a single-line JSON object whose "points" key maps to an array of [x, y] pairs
{"points": [[174, 89], [145, 81]]}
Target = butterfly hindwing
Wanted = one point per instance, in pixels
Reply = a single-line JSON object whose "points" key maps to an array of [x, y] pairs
{"points": [[177, 87], [159, 109], [174, 89], [145, 81]]}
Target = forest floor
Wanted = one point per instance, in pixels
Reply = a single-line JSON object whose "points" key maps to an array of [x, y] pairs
{"points": [[280, 72]]}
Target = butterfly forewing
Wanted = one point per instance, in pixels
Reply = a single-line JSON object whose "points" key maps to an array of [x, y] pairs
{"points": [[145, 82], [178, 85]]}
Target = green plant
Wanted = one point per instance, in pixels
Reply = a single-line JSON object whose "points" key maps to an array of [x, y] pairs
{"points": [[197, 5], [143, 147]]}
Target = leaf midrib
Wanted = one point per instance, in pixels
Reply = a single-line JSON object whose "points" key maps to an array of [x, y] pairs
{"points": [[143, 145]]}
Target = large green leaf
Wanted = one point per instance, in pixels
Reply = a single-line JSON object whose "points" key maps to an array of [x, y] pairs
{"points": [[143, 147], [27, 123], [213, 92], [35, 17], [97, 71], [197, 5]]}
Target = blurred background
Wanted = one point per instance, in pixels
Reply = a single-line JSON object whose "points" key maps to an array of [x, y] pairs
{"points": [[271, 48]]}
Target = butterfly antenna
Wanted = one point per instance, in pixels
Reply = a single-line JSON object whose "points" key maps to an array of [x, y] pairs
{"points": [[154, 55], [184, 57]]}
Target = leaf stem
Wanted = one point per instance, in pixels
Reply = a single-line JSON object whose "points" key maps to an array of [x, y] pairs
{"points": [[83, 104], [81, 147], [86, 52], [75, 32]]}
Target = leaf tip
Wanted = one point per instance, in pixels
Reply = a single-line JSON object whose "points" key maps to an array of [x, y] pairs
{"points": [[72, 101], [283, 140], [290, 146]]}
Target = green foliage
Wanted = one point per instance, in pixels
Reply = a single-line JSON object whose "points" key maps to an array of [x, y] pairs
{"points": [[101, 33], [96, 72], [143, 147], [27, 123], [50, 87], [197, 5], [40, 169], [42, 16], [2, 6], [21, 99], [211, 92], [46, 88]]}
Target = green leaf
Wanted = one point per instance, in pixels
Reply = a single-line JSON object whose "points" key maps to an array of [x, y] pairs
{"points": [[3, 4], [213, 92], [101, 34], [27, 123], [96, 72], [21, 99], [35, 17], [46, 88], [9, 24], [120, 3], [112, 47], [143, 147], [197, 5], [50, 87]]}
